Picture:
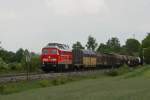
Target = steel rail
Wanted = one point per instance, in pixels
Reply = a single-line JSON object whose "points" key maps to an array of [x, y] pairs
{"points": [[40, 76]]}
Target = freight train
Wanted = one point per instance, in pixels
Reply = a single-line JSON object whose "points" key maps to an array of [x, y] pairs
{"points": [[58, 57]]}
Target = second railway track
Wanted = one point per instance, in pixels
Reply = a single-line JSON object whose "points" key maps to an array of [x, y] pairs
{"points": [[40, 76]]}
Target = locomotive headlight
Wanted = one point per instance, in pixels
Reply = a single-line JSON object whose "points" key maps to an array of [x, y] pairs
{"points": [[53, 59], [45, 60]]}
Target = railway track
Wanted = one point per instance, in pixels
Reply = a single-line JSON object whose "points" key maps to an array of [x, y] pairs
{"points": [[40, 76]]}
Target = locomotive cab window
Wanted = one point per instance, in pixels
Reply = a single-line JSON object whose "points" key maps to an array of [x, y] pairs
{"points": [[53, 51], [45, 51]]}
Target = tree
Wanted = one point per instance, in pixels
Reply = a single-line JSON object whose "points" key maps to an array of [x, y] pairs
{"points": [[123, 50], [114, 45], [77, 45], [146, 48], [146, 41], [91, 44], [3, 65], [7, 56], [19, 55], [132, 46], [103, 48], [147, 55]]}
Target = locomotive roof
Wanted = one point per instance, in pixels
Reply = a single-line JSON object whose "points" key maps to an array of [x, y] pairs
{"points": [[57, 45]]}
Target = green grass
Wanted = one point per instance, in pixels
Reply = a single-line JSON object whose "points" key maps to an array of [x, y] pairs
{"points": [[134, 85], [139, 72], [10, 88], [92, 89], [15, 87]]}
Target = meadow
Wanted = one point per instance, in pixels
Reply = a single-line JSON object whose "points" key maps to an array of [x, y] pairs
{"points": [[132, 85]]}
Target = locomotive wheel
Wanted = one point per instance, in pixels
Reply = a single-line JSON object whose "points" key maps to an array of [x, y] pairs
{"points": [[61, 68], [46, 70]]}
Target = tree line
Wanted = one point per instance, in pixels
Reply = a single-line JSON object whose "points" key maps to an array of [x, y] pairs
{"points": [[16, 60], [132, 47]]}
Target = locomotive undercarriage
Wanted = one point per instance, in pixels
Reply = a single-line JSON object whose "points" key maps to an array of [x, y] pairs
{"points": [[55, 67]]}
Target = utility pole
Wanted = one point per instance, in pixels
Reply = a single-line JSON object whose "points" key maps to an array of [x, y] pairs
{"points": [[28, 61]]}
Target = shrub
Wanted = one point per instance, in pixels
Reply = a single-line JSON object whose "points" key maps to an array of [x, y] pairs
{"points": [[60, 80], [112, 72], [15, 66], [44, 83], [120, 71], [63, 80], [55, 82], [3, 65], [35, 63], [124, 69]]}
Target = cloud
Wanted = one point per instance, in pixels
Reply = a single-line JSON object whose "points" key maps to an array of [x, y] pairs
{"points": [[67, 21], [77, 7], [6, 15]]}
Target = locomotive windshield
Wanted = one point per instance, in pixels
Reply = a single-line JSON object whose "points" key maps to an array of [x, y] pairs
{"points": [[53, 51], [45, 51]]}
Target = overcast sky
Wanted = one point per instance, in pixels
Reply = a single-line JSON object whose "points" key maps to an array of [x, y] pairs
{"points": [[32, 24]]}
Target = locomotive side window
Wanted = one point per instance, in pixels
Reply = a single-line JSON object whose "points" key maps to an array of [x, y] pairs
{"points": [[53, 51], [45, 51]]}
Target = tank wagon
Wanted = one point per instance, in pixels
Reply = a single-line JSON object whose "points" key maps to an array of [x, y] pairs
{"points": [[58, 57]]}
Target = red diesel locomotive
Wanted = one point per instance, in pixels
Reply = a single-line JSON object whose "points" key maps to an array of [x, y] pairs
{"points": [[56, 57]]}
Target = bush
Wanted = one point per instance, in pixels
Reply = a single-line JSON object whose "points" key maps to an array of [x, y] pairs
{"points": [[56, 82], [60, 80], [120, 71], [35, 63], [44, 83], [3, 65], [124, 69], [15, 66], [112, 72]]}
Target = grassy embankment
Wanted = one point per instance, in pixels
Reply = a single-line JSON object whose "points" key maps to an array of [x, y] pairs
{"points": [[128, 84]]}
